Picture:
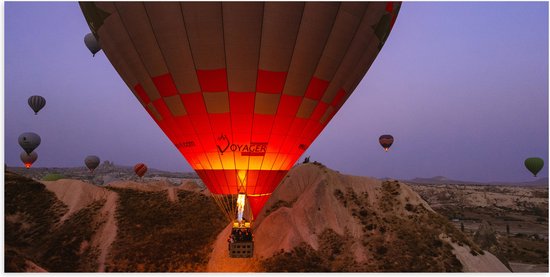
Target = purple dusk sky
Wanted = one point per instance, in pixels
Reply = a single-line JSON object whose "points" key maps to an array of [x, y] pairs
{"points": [[462, 86]]}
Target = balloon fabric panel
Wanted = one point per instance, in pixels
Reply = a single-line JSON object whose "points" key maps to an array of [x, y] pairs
{"points": [[256, 203], [212, 80], [270, 81]]}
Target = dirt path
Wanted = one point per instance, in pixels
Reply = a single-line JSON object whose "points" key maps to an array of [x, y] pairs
{"points": [[106, 234], [32, 267], [172, 194]]}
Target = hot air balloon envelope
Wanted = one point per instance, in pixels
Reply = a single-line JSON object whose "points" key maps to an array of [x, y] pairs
{"points": [[241, 88], [28, 159], [29, 141], [534, 165], [386, 141], [92, 43], [36, 102], [91, 162]]}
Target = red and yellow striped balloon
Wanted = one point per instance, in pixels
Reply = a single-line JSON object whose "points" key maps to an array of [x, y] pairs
{"points": [[241, 88]]}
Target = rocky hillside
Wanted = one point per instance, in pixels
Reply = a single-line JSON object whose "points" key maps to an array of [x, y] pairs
{"points": [[38, 237], [317, 220], [320, 220], [74, 226]]}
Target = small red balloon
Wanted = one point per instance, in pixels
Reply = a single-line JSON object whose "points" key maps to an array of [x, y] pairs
{"points": [[140, 169]]}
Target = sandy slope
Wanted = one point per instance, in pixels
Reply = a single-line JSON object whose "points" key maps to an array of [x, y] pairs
{"points": [[309, 207], [32, 267], [480, 263], [75, 194], [106, 234], [315, 209]]}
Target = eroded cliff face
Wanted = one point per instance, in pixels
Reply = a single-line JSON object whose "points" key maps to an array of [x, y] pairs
{"points": [[321, 220]]}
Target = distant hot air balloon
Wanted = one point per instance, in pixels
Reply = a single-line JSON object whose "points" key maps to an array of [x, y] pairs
{"points": [[36, 102], [91, 162], [534, 165], [92, 43], [28, 159], [386, 141], [29, 141], [140, 169], [241, 88]]}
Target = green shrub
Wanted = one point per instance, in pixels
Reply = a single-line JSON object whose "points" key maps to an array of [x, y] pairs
{"points": [[53, 177]]}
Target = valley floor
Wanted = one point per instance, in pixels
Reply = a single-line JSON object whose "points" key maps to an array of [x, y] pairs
{"points": [[517, 214]]}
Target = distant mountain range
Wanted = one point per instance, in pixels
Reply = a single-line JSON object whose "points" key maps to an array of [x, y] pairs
{"points": [[443, 180], [109, 167]]}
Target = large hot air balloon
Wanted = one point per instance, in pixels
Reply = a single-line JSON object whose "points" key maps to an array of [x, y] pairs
{"points": [[386, 141], [241, 88], [534, 165], [36, 102], [140, 169], [92, 43], [29, 141], [91, 162], [28, 159]]}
